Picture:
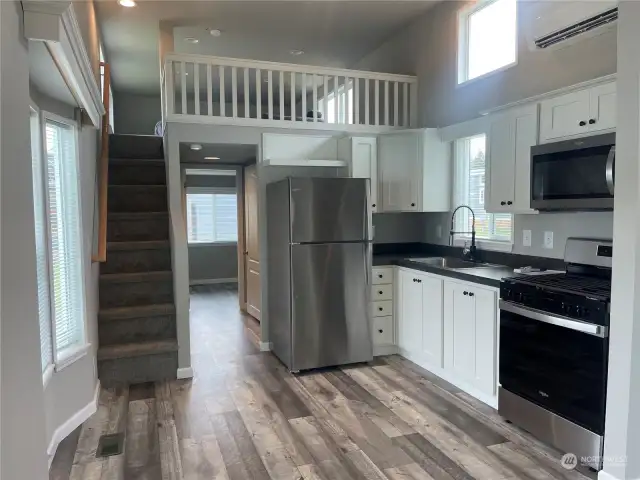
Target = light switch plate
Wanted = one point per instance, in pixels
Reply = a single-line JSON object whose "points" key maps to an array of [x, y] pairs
{"points": [[548, 240], [526, 238]]}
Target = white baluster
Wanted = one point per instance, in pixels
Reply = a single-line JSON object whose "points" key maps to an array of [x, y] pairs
{"points": [[336, 100], [247, 113], [209, 91], [293, 97], [347, 106], [222, 92], [315, 97], [281, 81], [356, 96], [196, 87], [413, 105], [183, 86], [395, 104], [386, 102], [304, 97], [234, 91], [170, 87], [270, 93], [405, 107], [325, 99], [258, 93], [377, 104], [367, 117]]}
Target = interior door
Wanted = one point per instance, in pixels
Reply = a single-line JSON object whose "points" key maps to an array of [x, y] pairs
{"points": [[252, 243]]}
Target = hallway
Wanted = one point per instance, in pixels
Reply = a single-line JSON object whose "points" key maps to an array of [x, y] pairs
{"points": [[243, 416]]}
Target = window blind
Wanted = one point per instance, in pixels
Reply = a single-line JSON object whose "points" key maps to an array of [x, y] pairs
{"points": [[42, 268], [212, 217], [65, 237]]}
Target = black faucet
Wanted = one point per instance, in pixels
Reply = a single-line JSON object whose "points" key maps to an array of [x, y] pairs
{"points": [[469, 254]]}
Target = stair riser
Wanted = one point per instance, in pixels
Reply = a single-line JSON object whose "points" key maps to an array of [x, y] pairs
{"points": [[134, 330], [131, 294], [134, 261], [138, 230], [136, 175], [135, 146], [137, 199], [147, 368]]}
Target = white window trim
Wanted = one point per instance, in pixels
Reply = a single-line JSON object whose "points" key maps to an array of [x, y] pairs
{"points": [[463, 45], [213, 191], [64, 358], [459, 198]]}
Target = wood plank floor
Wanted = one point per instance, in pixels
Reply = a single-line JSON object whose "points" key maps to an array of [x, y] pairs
{"points": [[243, 416]]}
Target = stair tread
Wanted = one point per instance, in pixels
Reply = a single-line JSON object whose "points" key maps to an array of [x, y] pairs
{"points": [[127, 350], [136, 276], [138, 245], [136, 215], [138, 185], [120, 313], [137, 161]]}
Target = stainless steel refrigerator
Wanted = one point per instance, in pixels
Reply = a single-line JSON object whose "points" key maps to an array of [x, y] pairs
{"points": [[319, 271]]}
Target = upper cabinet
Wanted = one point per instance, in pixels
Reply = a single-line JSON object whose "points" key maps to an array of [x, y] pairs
{"points": [[300, 150], [511, 135], [361, 155], [414, 168], [578, 113]]}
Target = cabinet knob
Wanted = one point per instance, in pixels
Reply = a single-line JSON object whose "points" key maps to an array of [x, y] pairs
{"points": [[379, 275], [413, 204], [592, 121], [374, 205], [419, 281], [380, 330], [379, 292], [471, 294], [509, 203], [582, 123], [465, 293], [503, 203], [380, 309]]}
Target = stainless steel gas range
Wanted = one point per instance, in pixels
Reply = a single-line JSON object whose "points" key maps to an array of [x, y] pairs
{"points": [[554, 348]]}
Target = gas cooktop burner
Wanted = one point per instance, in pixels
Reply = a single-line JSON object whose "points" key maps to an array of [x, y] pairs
{"points": [[570, 283]]}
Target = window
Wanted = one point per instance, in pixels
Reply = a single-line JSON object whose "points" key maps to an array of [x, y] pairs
{"points": [[337, 102], [212, 215], [59, 250], [470, 190], [487, 38]]}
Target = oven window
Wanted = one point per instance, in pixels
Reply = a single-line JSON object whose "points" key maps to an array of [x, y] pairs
{"points": [[574, 175], [557, 368]]}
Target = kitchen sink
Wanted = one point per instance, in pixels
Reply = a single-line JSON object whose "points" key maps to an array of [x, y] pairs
{"points": [[452, 263]]}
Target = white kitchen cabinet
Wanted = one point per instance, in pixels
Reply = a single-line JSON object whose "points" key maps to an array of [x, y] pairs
{"points": [[300, 150], [409, 313], [383, 328], [414, 169], [432, 318], [470, 325], [578, 113], [511, 135], [361, 156]]}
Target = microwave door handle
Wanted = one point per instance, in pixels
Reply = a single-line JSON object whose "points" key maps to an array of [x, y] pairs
{"points": [[610, 169]]}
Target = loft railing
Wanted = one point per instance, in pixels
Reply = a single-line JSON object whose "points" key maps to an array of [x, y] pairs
{"points": [[103, 168], [203, 89]]}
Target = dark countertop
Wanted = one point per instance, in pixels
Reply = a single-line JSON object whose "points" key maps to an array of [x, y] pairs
{"points": [[489, 276]]}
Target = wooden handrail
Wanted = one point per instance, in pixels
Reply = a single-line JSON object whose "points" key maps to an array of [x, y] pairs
{"points": [[103, 178]]}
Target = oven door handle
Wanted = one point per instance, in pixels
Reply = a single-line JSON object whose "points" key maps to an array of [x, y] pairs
{"points": [[565, 322], [610, 170]]}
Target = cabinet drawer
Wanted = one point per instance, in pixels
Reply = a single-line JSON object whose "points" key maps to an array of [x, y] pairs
{"points": [[382, 308], [383, 331], [381, 292], [382, 275]]}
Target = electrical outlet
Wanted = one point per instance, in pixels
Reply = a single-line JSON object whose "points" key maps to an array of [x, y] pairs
{"points": [[548, 240], [526, 238]]}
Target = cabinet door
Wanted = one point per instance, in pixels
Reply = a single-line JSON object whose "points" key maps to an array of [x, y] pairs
{"points": [[364, 164], [460, 334], [603, 107], [485, 340], [525, 122], [410, 318], [562, 116], [399, 172], [501, 161], [432, 338]]}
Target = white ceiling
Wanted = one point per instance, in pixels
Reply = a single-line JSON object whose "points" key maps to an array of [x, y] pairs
{"points": [[331, 33]]}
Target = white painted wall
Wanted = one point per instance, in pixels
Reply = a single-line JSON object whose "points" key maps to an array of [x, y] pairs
{"points": [[622, 428], [22, 415]]}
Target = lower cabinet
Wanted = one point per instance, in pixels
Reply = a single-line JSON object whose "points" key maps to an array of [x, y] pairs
{"points": [[450, 328], [382, 311]]}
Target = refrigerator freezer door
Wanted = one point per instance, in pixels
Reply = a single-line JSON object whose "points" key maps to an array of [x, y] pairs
{"points": [[330, 305], [327, 210]]}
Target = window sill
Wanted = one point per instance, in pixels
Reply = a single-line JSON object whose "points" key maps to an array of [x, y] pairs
{"points": [[213, 244], [71, 355], [506, 247], [487, 75], [47, 375]]}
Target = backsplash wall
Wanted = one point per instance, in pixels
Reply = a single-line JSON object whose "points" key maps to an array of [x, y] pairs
{"points": [[399, 227], [563, 225]]}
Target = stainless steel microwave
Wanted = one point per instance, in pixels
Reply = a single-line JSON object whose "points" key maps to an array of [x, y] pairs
{"points": [[574, 174]]}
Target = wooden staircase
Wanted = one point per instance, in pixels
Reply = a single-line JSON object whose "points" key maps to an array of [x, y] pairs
{"points": [[137, 321]]}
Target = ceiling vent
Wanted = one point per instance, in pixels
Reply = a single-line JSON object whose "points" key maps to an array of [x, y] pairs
{"points": [[572, 21]]}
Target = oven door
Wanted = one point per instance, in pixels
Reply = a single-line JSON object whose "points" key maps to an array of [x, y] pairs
{"points": [[555, 365], [574, 174]]}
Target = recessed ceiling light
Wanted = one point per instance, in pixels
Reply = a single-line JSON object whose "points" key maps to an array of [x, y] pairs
{"points": [[191, 40], [296, 53], [215, 32], [212, 158], [127, 3], [196, 147]]}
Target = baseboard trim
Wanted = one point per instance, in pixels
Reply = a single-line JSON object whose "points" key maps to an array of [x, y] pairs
{"points": [[77, 419], [212, 281], [265, 346], [379, 350], [186, 372]]}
